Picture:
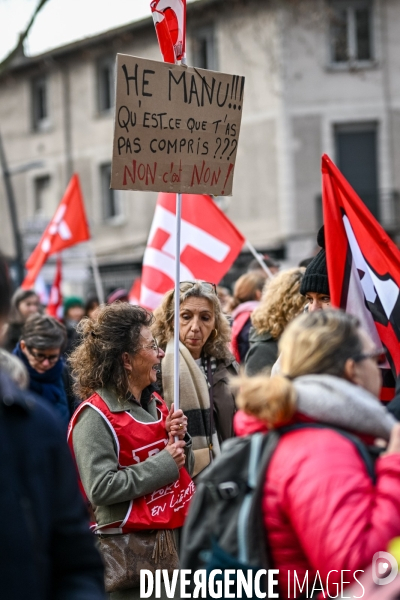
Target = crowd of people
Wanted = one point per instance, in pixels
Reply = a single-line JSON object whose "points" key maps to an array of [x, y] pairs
{"points": [[270, 354]]}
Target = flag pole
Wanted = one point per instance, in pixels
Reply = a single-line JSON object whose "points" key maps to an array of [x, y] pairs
{"points": [[177, 53], [177, 289], [96, 274], [177, 298], [259, 259]]}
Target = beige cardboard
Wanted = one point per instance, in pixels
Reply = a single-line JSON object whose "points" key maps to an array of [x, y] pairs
{"points": [[176, 128]]}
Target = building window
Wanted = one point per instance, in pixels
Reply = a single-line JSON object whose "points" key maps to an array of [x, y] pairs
{"points": [[112, 209], [40, 104], [356, 147], [105, 84], [41, 195], [351, 31], [204, 48]]}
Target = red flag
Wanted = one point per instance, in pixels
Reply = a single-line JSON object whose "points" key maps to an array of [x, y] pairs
{"points": [[209, 245], [54, 307], [134, 294], [169, 18], [67, 228], [363, 267]]}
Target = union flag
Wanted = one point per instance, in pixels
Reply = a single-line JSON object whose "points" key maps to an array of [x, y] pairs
{"points": [[169, 18], [209, 245], [363, 268], [68, 227]]}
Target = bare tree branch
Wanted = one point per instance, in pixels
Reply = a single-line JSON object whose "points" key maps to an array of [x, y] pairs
{"points": [[20, 44]]}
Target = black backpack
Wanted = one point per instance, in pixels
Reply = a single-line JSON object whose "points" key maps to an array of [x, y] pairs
{"points": [[224, 528]]}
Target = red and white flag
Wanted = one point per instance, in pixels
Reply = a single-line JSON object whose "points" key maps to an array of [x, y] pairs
{"points": [[169, 18], [134, 294], [67, 228], [363, 268], [55, 305], [210, 244]]}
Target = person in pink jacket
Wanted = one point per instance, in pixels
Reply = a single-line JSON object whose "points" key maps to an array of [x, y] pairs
{"points": [[323, 513]]}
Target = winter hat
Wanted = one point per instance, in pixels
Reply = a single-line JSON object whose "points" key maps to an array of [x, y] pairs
{"points": [[316, 276], [71, 302]]}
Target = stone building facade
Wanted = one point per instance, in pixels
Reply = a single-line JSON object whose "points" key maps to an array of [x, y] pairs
{"points": [[321, 76]]}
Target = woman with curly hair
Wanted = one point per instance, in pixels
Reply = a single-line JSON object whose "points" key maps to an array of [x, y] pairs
{"points": [[205, 366], [130, 448], [282, 301]]}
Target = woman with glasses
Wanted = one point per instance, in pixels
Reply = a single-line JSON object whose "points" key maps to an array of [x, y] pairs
{"points": [[42, 341], [206, 366], [326, 513], [133, 453]]}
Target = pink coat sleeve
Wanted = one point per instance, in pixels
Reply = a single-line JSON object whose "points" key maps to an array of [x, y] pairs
{"points": [[339, 516]]}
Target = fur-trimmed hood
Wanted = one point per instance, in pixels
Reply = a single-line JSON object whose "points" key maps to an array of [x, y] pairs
{"points": [[335, 401]]}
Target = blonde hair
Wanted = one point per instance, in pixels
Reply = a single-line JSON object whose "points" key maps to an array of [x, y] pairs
{"points": [[163, 326], [316, 343], [281, 302], [246, 288]]}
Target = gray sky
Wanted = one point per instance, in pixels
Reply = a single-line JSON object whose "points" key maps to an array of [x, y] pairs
{"points": [[63, 21]]}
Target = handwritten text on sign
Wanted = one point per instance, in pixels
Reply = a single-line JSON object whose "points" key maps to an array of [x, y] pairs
{"points": [[176, 128]]}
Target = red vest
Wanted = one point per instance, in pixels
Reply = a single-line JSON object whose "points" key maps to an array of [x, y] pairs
{"points": [[165, 508]]}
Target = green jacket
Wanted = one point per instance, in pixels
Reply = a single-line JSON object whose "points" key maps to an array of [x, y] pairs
{"points": [[108, 488]]}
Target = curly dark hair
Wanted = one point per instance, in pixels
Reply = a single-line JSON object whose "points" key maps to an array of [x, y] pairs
{"points": [[97, 361]]}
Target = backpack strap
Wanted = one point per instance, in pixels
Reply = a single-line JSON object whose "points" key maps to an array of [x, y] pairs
{"points": [[360, 446], [261, 451], [243, 520]]}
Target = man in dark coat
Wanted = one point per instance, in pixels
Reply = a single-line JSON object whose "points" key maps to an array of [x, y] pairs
{"points": [[47, 551]]}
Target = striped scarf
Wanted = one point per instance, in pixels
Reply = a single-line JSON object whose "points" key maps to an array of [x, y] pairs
{"points": [[194, 401]]}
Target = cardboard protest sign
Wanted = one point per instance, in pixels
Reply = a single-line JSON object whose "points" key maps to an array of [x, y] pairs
{"points": [[176, 128]]}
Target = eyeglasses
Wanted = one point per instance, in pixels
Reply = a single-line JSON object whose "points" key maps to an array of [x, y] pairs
{"points": [[154, 346], [211, 287], [379, 356], [52, 358]]}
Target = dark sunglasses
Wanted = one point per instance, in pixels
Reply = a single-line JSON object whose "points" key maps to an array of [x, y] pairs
{"points": [[379, 356], [211, 287], [52, 358]]}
